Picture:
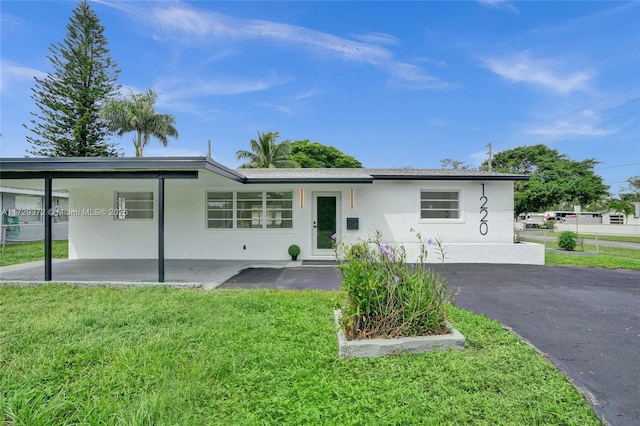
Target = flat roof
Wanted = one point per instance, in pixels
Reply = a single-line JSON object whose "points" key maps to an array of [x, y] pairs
{"points": [[185, 167]]}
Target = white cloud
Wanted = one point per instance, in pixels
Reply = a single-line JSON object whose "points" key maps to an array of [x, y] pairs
{"points": [[12, 73], [377, 38], [172, 89], [307, 94], [540, 72], [412, 76], [588, 125], [190, 25], [499, 4]]}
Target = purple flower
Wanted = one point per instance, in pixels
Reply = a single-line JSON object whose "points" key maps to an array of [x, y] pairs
{"points": [[396, 278], [458, 291], [334, 235], [411, 229], [429, 241], [390, 255], [359, 239]]}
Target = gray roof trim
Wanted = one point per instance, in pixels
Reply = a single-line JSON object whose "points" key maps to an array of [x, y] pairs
{"points": [[91, 167], [149, 167], [451, 177], [308, 180]]}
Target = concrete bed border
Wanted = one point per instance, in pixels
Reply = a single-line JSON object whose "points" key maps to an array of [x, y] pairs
{"points": [[381, 347]]}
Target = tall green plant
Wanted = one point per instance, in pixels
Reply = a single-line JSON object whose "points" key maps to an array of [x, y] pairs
{"points": [[385, 296], [137, 114], [70, 98], [266, 153]]}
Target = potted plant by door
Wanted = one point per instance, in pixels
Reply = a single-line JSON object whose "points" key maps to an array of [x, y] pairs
{"points": [[294, 251]]}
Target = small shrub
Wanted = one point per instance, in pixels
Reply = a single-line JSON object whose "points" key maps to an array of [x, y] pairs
{"points": [[567, 240], [384, 296], [294, 250]]}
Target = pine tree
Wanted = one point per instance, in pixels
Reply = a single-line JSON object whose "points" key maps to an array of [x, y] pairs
{"points": [[71, 97]]}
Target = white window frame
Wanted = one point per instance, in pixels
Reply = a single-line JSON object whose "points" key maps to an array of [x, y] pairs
{"points": [[123, 213], [263, 213], [31, 204], [460, 210], [232, 219]]}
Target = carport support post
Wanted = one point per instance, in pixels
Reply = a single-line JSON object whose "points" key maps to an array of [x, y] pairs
{"points": [[48, 213], [161, 229]]}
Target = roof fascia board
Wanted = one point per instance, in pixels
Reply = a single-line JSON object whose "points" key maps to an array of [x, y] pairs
{"points": [[475, 177], [100, 174], [308, 180]]}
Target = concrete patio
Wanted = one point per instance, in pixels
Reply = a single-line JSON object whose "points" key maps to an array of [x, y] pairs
{"points": [[205, 274]]}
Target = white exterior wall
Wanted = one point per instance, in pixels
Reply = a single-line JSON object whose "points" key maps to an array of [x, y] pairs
{"points": [[393, 207]]}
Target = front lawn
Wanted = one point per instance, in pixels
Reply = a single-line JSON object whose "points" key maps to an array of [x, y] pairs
{"points": [[29, 252], [159, 356], [586, 255]]}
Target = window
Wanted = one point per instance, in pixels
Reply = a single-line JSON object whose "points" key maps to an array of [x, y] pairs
{"points": [[279, 210], [249, 210], [219, 210], [62, 206], [29, 208], [439, 205], [134, 205], [616, 219]]}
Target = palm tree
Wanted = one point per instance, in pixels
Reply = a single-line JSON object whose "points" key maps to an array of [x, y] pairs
{"points": [[266, 153], [137, 114]]}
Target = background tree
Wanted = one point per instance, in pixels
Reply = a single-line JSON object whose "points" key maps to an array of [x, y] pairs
{"points": [[631, 192], [70, 98], [313, 155], [622, 206], [450, 163], [137, 113], [555, 179], [266, 153]]}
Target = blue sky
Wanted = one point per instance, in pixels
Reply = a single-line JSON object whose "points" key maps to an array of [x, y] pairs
{"points": [[395, 84]]}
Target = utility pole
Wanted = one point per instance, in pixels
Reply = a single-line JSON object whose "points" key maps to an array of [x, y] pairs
{"points": [[209, 151], [490, 156]]}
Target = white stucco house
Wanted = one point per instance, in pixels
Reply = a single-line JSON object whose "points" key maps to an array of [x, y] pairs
{"points": [[196, 208]]}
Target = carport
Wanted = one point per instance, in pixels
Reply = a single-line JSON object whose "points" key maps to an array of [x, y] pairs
{"points": [[44, 173]]}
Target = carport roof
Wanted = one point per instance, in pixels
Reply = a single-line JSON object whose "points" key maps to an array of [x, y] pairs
{"points": [[188, 167]]}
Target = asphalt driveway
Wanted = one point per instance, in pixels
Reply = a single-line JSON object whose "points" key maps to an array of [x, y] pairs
{"points": [[586, 321]]}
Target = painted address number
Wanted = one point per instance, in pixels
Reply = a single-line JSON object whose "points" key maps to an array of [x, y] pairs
{"points": [[484, 211]]}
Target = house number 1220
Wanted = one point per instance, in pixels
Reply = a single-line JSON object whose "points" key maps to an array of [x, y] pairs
{"points": [[484, 211]]}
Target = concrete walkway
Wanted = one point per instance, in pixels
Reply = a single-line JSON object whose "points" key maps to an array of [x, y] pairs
{"points": [[205, 274]]}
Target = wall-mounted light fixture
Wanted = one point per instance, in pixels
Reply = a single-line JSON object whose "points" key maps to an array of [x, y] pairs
{"points": [[352, 196], [301, 198]]}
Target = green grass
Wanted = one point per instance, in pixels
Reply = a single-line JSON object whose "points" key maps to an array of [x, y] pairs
{"points": [[28, 252], [158, 356], [622, 238], [608, 257]]}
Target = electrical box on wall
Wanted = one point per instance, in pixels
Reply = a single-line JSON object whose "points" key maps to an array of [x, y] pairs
{"points": [[353, 223]]}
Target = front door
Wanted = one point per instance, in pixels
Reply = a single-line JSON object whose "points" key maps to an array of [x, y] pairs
{"points": [[326, 217]]}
